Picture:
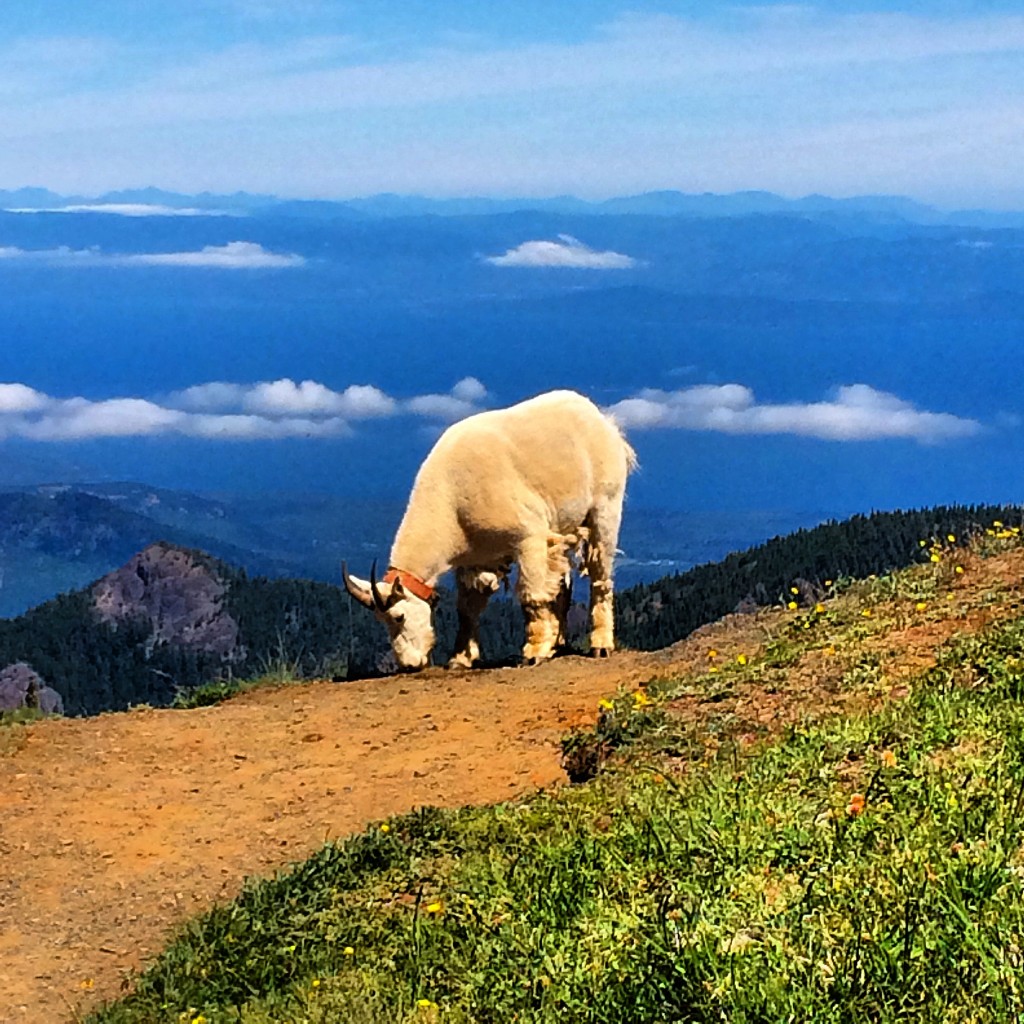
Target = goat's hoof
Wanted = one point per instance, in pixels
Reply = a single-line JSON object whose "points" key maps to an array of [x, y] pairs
{"points": [[600, 652]]}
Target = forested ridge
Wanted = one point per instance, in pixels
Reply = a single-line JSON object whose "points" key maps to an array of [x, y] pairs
{"points": [[299, 628], [650, 616]]}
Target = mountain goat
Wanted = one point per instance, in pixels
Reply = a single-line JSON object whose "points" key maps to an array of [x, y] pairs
{"points": [[536, 485]]}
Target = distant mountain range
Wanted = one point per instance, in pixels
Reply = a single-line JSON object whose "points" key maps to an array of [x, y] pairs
{"points": [[662, 203]]}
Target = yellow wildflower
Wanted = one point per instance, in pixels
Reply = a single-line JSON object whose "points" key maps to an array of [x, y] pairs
{"points": [[741, 659], [434, 908], [866, 613], [935, 557], [385, 827], [819, 608], [605, 704], [959, 570], [951, 538], [792, 606], [794, 590], [888, 759], [712, 653], [349, 951]]}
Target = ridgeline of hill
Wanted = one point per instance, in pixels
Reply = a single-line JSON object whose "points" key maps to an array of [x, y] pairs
{"points": [[171, 620]]}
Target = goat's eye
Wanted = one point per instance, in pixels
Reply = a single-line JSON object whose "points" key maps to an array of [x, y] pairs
{"points": [[399, 620]]}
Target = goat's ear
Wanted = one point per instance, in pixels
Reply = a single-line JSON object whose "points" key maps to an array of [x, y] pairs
{"points": [[397, 592]]}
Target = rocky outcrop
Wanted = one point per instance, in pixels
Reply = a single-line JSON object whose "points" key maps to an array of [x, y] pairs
{"points": [[178, 592], [22, 687]]}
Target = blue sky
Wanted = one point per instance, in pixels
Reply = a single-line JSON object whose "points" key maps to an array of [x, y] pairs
{"points": [[595, 98]]}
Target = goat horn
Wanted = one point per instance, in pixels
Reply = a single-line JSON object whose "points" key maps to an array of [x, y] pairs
{"points": [[378, 601], [354, 591]]}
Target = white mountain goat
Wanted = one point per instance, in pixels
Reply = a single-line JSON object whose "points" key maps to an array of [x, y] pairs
{"points": [[535, 484]]}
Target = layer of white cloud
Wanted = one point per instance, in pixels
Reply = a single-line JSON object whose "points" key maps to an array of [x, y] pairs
{"points": [[123, 210], [286, 408], [566, 252], [232, 256], [240, 427], [469, 389], [61, 255], [857, 412], [286, 398], [225, 411], [78, 418], [18, 398]]}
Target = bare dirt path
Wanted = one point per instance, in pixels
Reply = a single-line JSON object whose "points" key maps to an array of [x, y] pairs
{"points": [[115, 829]]}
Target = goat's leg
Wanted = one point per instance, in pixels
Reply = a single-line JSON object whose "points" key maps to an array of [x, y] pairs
{"points": [[604, 537], [542, 568], [474, 590]]}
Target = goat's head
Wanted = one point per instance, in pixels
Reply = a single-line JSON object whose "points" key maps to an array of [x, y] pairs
{"points": [[405, 615]]}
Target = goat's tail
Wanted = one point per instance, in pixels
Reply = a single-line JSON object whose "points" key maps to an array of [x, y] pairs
{"points": [[632, 462]]}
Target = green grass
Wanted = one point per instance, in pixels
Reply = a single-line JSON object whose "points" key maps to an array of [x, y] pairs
{"points": [[276, 673], [20, 716], [860, 870], [12, 737]]}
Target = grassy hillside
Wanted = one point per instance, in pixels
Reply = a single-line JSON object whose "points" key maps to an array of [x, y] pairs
{"points": [[824, 822]]}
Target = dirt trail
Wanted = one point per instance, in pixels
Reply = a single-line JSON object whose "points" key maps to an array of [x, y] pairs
{"points": [[115, 829]]}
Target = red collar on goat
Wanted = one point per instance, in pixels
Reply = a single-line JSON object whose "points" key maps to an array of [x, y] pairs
{"points": [[421, 589]]}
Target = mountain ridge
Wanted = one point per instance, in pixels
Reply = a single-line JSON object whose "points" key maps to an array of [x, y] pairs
{"points": [[656, 203]]}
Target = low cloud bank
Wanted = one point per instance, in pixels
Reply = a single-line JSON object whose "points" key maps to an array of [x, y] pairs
{"points": [[857, 412], [232, 256], [62, 255], [125, 210], [224, 411], [567, 252]]}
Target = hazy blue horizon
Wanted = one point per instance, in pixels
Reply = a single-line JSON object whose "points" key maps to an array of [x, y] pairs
{"points": [[614, 97]]}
